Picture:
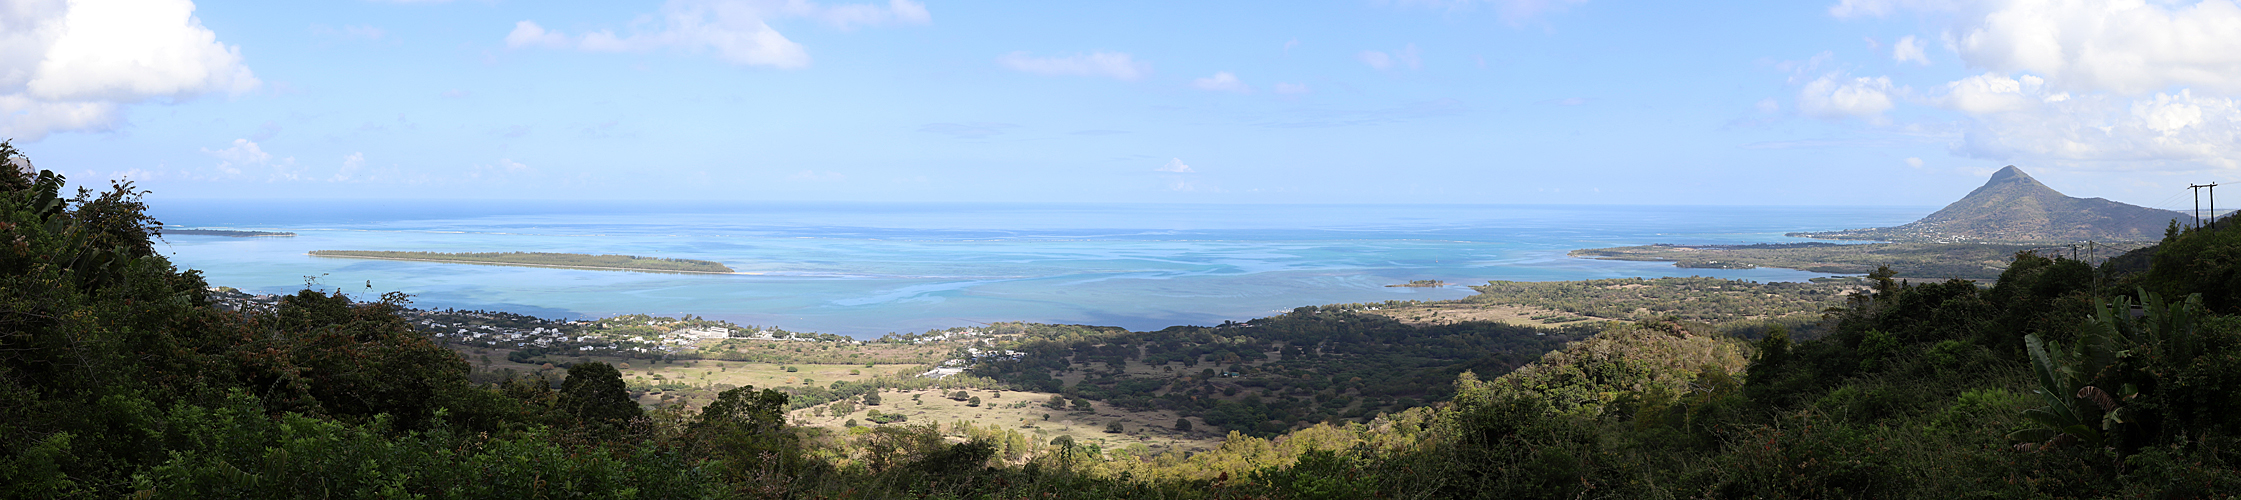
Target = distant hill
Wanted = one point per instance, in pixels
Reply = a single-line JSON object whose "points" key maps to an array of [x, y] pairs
{"points": [[2013, 207]]}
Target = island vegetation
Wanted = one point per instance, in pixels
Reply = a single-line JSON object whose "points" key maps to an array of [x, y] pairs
{"points": [[541, 259], [228, 233], [120, 377], [1420, 284]]}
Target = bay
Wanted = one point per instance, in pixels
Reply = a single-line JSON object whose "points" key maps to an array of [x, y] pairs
{"points": [[863, 269]]}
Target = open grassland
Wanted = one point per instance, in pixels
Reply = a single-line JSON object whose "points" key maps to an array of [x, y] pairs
{"points": [[540, 259], [1024, 412], [693, 382]]}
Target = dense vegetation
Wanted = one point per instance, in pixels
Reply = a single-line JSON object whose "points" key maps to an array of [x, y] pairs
{"points": [[117, 378], [1269, 375], [543, 259]]}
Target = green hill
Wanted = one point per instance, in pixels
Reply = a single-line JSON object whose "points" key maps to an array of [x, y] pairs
{"points": [[2013, 207]]}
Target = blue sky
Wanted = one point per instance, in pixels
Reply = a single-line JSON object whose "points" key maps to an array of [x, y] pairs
{"points": [[1436, 101]]}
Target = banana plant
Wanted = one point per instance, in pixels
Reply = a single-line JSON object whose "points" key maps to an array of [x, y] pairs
{"points": [[2060, 422], [2066, 377]]}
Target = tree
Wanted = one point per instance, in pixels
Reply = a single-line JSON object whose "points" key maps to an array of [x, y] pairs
{"points": [[595, 396], [1182, 425], [1056, 402], [1114, 428], [871, 398], [975, 401], [1082, 404], [746, 409]]}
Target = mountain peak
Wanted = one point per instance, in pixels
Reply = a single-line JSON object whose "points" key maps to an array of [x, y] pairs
{"points": [[2010, 174], [2013, 207], [2012, 182]]}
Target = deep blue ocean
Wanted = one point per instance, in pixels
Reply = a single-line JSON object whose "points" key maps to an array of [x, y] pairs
{"points": [[866, 269]]}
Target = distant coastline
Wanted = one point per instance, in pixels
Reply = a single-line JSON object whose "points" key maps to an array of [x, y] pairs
{"points": [[542, 259]]}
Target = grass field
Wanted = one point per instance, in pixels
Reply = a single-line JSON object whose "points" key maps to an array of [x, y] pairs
{"points": [[707, 377], [1024, 412]]}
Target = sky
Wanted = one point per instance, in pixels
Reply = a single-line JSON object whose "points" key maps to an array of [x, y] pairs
{"points": [[1852, 102]]}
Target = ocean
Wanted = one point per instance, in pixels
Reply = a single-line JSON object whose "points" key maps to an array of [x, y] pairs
{"points": [[865, 269]]}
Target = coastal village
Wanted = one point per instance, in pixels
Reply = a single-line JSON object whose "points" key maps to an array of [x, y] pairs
{"points": [[624, 336]]}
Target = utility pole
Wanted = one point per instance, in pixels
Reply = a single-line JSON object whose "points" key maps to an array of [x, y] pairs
{"points": [[2198, 201]]}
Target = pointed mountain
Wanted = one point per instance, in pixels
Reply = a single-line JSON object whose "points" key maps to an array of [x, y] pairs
{"points": [[2013, 207]]}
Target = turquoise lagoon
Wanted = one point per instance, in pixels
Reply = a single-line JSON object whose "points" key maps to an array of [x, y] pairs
{"points": [[866, 269]]}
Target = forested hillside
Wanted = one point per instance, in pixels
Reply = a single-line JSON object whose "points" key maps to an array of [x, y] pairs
{"points": [[119, 379]]}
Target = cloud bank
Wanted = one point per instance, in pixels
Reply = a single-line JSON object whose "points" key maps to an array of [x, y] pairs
{"points": [[1114, 65], [72, 66], [2099, 84], [737, 31]]}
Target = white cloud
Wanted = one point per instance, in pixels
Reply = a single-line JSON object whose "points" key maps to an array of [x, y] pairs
{"points": [[2124, 46], [529, 34], [2020, 119], [1175, 166], [69, 66], [1835, 96], [2131, 47], [852, 15], [1222, 82], [1880, 8], [1375, 59], [738, 31], [1991, 93], [1768, 105], [244, 153], [1292, 88], [505, 168], [1381, 60], [359, 31], [1512, 11], [1914, 162], [1116, 65], [2089, 84], [350, 166], [815, 176], [1910, 49]]}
